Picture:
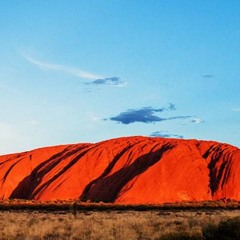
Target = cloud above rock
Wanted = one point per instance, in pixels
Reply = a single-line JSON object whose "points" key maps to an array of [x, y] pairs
{"points": [[165, 134], [145, 115], [112, 81]]}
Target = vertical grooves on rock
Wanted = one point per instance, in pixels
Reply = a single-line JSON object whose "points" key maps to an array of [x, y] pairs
{"points": [[85, 193], [46, 184], [118, 168], [29, 186], [108, 188], [219, 158]]}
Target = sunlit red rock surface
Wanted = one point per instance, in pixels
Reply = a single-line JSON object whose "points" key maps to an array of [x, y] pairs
{"points": [[130, 170]]}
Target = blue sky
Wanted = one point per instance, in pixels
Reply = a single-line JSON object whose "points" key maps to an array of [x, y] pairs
{"points": [[84, 71]]}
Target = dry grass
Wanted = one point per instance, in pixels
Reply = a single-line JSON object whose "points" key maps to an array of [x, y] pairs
{"points": [[106, 225], [59, 205]]}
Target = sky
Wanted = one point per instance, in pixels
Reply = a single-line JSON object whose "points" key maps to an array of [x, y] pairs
{"points": [[74, 71]]}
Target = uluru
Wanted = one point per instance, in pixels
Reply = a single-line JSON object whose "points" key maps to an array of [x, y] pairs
{"points": [[126, 170]]}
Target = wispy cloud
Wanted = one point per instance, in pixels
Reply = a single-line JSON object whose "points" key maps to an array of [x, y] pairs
{"points": [[97, 79], [145, 115], [63, 68], [194, 120], [197, 120], [112, 81], [208, 76], [165, 134]]}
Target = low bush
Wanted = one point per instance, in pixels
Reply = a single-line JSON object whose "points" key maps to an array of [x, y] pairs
{"points": [[226, 230]]}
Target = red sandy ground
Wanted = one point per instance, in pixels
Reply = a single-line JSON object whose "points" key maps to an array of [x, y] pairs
{"points": [[130, 170]]}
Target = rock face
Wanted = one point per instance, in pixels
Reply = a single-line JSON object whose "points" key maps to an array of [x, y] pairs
{"points": [[130, 170]]}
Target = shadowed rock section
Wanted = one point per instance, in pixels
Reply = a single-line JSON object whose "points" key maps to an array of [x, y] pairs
{"points": [[129, 170]]}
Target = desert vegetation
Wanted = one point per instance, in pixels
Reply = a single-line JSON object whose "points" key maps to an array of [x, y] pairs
{"points": [[110, 225]]}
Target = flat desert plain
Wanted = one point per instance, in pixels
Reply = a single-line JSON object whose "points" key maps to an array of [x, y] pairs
{"points": [[109, 225]]}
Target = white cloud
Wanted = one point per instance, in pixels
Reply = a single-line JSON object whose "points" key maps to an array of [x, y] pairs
{"points": [[95, 119], [193, 120], [197, 120], [63, 68]]}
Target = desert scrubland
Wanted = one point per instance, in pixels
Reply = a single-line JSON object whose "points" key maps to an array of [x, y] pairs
{"points": [[109, 225]]}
